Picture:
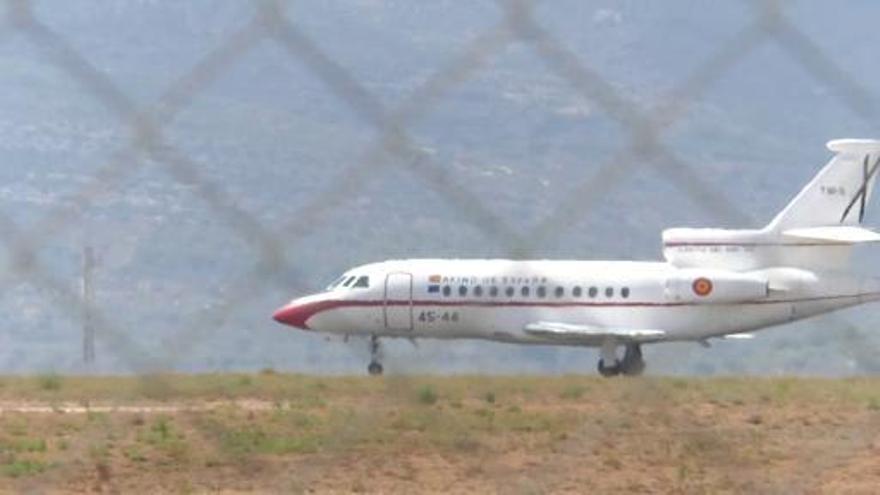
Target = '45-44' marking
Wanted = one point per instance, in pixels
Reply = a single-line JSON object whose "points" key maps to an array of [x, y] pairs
{"points": [[438, 316]]}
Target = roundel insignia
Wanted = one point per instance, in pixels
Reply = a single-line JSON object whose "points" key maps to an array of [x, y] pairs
{"points": [[702, 287]]}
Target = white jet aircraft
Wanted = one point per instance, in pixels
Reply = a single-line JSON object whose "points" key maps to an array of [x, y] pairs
{"points": [[714, 283]]}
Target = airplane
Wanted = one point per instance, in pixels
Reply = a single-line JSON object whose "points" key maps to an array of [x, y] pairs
{"points": [[714, 283]]}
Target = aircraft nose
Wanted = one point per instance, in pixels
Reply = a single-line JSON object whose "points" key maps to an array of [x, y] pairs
{"points": [[294, 315]]}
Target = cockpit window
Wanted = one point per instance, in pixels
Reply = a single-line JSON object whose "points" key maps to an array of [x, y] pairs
{"points": [[335, 283], [350, 282]]}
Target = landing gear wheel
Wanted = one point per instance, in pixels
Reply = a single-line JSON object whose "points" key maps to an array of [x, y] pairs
{"points": [[636, 369], [375, 367], [633, 364], [608, 371]]}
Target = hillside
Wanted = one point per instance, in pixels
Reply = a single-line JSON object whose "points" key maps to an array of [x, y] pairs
{"points": [[296, 434], [279, 140]]}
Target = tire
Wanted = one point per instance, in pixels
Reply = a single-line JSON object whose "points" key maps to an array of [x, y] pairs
{"points": [[633, 363], [608, 371], [635, 368], [374, 369]]}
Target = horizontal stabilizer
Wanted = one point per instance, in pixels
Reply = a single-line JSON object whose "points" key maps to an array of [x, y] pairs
{"points": [[589, 333], [836, 234]]}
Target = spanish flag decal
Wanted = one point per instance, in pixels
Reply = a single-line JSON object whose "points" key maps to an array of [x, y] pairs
{"points": [[434, 284]]}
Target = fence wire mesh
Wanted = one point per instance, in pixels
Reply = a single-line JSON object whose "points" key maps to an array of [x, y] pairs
{"points": [[393, 148]]}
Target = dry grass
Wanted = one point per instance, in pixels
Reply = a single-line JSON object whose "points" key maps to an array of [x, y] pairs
{"points": [[457, 434]]}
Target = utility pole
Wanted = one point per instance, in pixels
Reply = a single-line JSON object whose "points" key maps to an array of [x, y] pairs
{"points": [[88, 297]]}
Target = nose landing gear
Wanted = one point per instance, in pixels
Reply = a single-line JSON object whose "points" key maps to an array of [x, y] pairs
{"points": [[375, 367]]}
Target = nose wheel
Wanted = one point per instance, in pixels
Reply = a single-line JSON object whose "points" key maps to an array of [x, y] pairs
{"points": [[375, 367]]}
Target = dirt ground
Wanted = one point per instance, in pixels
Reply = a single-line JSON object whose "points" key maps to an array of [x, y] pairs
{"points": [[272, 433]]}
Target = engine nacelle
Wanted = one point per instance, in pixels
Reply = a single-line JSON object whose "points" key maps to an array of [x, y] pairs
{"points": [[715, 286], [747, 250]]}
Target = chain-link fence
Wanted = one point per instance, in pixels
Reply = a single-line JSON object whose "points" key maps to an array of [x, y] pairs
{"points": [[395, 145], [172, 173]]}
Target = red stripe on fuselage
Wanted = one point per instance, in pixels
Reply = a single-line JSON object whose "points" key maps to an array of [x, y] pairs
{"points": [[298, 315]]}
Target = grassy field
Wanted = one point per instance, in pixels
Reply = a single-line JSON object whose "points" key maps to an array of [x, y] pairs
{"points": [[284, 433]]}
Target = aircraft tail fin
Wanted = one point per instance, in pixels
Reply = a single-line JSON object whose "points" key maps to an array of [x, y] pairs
{"points": [[839, 193]]}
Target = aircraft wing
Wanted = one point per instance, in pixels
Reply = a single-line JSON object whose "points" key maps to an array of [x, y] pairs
{"points": [[589, 334]]}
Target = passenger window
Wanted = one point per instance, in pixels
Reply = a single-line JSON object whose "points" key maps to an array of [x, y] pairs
{"points": [[493, 291], [559, 292], [478, 291], [576, 292], [447, 290], [462, 291], [593, 291], [509, 291], [541, 291], [624, 292], [609, 292], [525, 291], [362, 282]]}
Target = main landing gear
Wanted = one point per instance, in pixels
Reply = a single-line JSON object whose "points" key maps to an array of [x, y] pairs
{"points": [[632, 364], [375, 367]]}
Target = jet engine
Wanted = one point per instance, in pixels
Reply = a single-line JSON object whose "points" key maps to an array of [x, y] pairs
{"points": [[715, 286]]}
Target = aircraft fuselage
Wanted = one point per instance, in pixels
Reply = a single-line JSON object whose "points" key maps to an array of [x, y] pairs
{"points": [[497, 299]]}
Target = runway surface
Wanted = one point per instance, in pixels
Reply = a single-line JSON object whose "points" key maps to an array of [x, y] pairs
{"points": [[85, 408]]}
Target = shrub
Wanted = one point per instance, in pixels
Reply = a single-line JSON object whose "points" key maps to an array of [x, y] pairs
{"points": [[50, 382], [427, 395], [23, 467], [572, 392]]}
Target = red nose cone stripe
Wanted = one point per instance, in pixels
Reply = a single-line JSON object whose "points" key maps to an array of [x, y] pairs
{"points": [[291, 315], [296, 315]]}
